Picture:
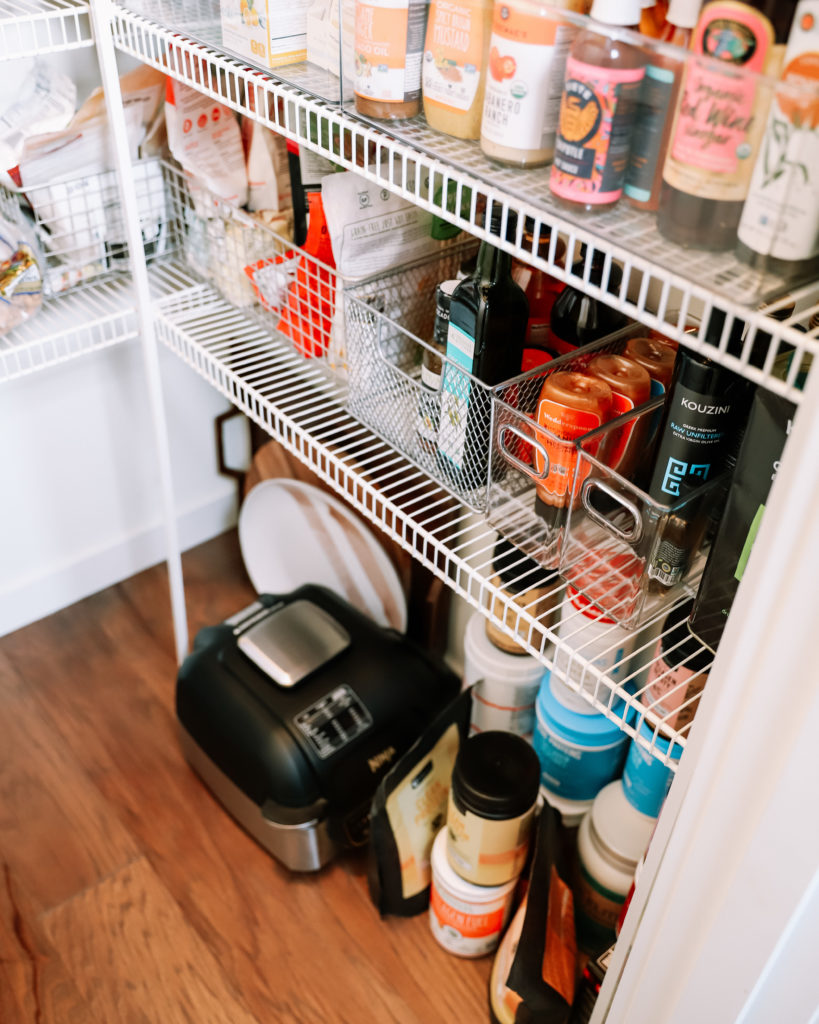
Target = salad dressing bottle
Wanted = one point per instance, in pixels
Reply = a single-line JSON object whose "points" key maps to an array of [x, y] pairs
{"points": [[603, 76]]}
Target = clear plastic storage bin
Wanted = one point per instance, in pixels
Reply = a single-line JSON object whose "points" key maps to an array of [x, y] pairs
{"points": [[523, 453], [621, 548]]}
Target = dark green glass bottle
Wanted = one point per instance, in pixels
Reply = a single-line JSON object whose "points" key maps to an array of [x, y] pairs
{"points": [[487, 328]]}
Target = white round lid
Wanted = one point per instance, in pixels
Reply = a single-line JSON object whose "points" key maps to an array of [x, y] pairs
{"points": [[683, 12], [466, 891], [571, 811], [624, 829], [492, 661], [617, 12]]}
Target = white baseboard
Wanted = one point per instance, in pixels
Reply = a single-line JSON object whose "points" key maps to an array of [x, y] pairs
{"points": [[28, 600]]}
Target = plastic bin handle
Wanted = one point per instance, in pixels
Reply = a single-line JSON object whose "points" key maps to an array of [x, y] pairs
{"points": [[629, 536], [519, 463]]}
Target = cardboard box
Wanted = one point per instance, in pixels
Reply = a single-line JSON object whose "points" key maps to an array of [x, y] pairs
{"points": [[267, 32]]}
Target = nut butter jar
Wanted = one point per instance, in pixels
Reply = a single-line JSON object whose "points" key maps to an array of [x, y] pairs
{"points": [[492, 801], [529, 586]]}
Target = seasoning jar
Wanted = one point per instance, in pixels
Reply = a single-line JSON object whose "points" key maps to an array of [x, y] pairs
{"points": [[610, 841], [506, 685], [529, 586], [597, 638], [679, 671], [646, 778], [492, 802], [465, 919], [578, 753]]}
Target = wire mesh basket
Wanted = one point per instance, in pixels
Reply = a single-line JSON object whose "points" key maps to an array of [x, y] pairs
{"points": [[80, 226]]}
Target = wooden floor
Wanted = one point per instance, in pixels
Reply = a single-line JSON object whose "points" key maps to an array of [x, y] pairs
{"points": [[127, 895]]}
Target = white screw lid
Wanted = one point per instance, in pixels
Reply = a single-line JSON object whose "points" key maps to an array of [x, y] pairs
{"points": [[617, 12], [683, 13]]}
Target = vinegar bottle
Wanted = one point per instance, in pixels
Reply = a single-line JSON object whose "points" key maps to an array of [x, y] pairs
{"points": [[600, 95], [487, 324], [718, 124], [655, 113], [578, 318]]}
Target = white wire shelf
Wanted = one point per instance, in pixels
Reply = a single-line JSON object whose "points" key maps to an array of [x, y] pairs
{"points": [[38, 27], [300, 403], [81, 321], [663, 285]]}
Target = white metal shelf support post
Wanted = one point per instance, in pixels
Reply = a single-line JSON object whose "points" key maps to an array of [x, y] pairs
{"points": [[101, 13], [724, 923]]}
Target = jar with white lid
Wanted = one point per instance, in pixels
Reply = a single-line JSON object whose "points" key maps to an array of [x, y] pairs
{"points": [[598, 639], [578, 753], [507, 684], [466, 919], [610, 841]]}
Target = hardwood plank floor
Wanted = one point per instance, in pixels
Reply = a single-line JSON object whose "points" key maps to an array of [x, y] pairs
{"points": [[137, 898]]}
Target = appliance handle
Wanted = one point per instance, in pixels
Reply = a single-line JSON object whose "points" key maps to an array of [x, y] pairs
{"points": [[631, 536]]}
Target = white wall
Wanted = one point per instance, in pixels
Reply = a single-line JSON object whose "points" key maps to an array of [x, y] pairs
{"points": [[80, 490]]}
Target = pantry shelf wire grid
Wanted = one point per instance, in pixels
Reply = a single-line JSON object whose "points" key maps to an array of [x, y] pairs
{"points": [[31, 28], [295, 401], [84, 320], [656, 288]]}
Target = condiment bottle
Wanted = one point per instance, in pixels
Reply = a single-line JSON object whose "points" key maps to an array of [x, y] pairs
{"points": [[487, 326], [702, 425], [541, 290], [577, 318], [492, 801], [570, 405], [656, 356], [779, 227], [454, 67], [600, 95], [527, 60], [429, 403], [679, 671], [389, 44], [655, 112], [717, 127], [630, 386]]}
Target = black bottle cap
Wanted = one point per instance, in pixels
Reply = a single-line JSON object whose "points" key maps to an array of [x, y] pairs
{"points": [[517, 572], [496, 775]]}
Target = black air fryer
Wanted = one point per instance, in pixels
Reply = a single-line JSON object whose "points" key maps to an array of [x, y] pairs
{"points": [[292, 710]]}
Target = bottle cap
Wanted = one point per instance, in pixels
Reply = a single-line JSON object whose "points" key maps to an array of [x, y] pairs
{"points": [[683, 13], [617, 12]]}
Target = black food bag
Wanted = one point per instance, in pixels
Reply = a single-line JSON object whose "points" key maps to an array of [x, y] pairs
{"points": [[768, 428]]}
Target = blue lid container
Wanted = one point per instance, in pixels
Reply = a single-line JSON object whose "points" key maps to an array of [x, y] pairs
{"points": [[579, 754], [646, 780]]}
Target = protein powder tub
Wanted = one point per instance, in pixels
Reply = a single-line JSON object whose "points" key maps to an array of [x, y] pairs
{"points": [[465, 919], [578, 753], [595, 637], [646, 778], [492, 802], [529, 586], [506, 685], [610, 841]]}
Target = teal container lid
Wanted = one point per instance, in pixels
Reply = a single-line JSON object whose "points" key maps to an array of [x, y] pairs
{"points": [[660, 743], [594, 730]]}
